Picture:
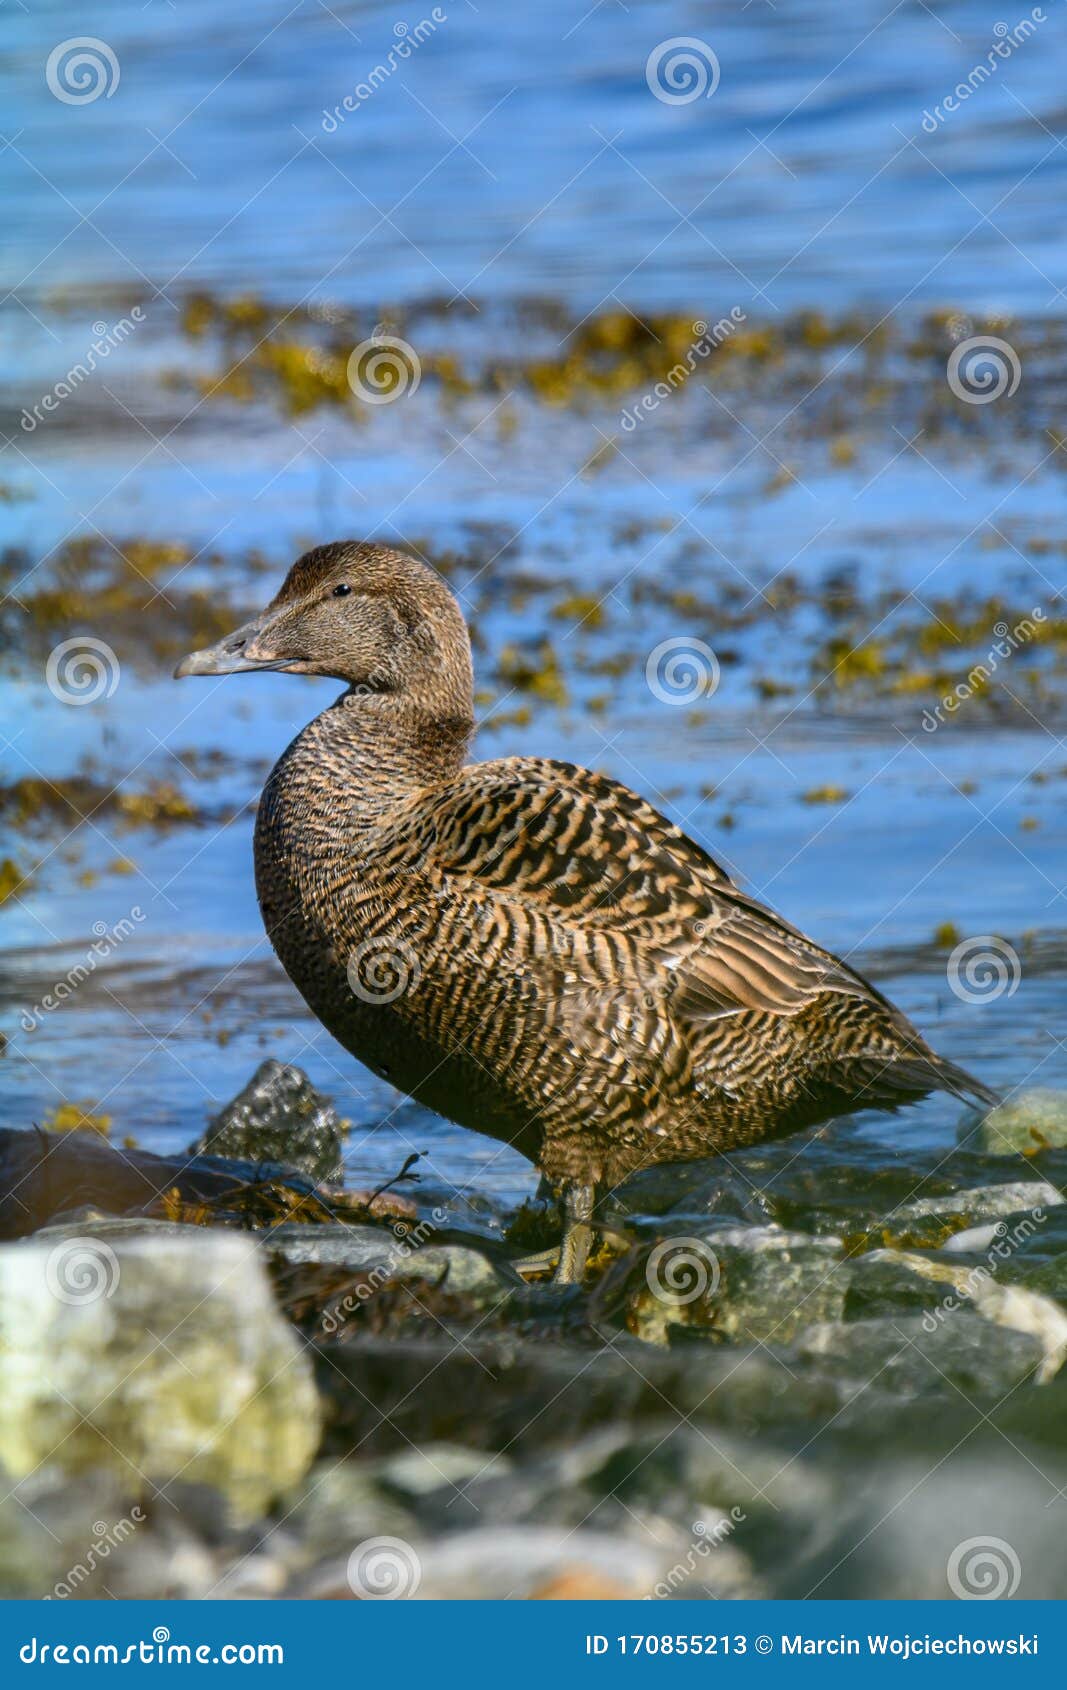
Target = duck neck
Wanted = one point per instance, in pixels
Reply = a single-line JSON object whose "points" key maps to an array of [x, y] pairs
{"points": [[365, 754]]}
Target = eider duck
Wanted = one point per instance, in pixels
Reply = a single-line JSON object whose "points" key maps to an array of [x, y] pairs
{"points": [[526, 947]]}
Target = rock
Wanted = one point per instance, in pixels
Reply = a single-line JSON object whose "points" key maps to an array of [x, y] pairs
{"points": [[466, 1272], [498, 1563], [580, 1584], [702, 1190], [279, 1117], [974, 1239], [983, 1202], [475, 1212], [755, 1504], [44, 1175], [1032, 1251], [526, 1394], [112, 1228], [157, 1358], [416, 1472], [901, 1358], [1036, 1120], [901, 1282], [380, 1256], [739, 1284], [60, 1537], [975, 1526], [335, 1245], [251, 1577], [339, 1504]]}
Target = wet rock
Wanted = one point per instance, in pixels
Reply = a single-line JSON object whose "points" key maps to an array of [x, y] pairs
{"points": [[338, 1505], [61, 1538], [974, 1239], [1036, 1120], [279, 1117], [45, 1175], [1031, 1250], [891, 1359], [737, 1284], [753, 1504], [970, 1527], [112, 1229], [155, 1358], [982, 1202], [470, 1211], [524, 1394], [251, 1577], [702, 1190], [401, 1255], [335, 1245], [499, 1563], [417, 1472], [891, 1282], [462, 1271]]}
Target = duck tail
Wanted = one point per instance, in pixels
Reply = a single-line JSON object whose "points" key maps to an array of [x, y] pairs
{"points": [[952, 1078], [916, 1071], [921, 1071]]}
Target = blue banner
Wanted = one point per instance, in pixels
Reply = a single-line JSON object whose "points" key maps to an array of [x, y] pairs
{"points": [[531, 1645]]}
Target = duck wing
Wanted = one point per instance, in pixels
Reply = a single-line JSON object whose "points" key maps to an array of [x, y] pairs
{"points": [[586, 872]]}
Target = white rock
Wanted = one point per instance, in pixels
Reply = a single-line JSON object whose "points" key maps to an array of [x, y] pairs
{"points": [[157, 1358]]}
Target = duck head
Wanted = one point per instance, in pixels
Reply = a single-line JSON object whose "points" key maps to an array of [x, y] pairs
{"points": [[362, 613]]}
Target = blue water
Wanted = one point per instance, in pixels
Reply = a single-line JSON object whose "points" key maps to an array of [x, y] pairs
{"points": [[518, 153]]}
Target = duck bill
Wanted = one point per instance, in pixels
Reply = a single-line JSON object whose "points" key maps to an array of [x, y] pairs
{"points": [[246, 648]]}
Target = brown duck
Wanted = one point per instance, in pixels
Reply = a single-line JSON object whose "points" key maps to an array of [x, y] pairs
{"points": [[525, 947]]}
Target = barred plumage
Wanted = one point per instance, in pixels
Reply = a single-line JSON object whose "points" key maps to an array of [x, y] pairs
{"points": [[528, 948]]}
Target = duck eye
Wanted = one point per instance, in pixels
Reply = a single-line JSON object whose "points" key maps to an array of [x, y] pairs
{"points": [[342, 591]]}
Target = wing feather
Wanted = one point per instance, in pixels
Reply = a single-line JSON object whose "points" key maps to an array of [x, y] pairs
{"points": [[579, 859]]}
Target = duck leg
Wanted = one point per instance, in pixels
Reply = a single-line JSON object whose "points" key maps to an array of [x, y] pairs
{"points": [[577, 1233]]}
